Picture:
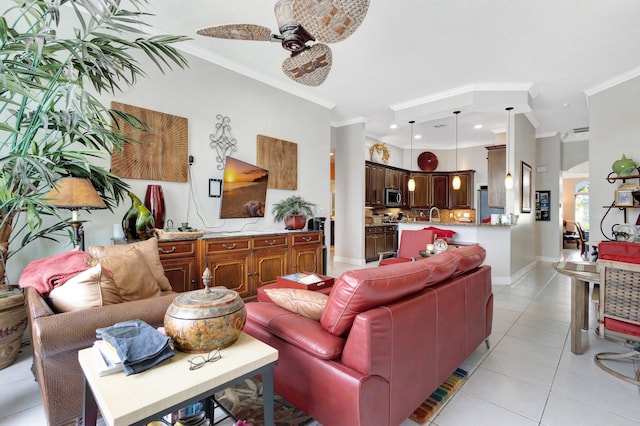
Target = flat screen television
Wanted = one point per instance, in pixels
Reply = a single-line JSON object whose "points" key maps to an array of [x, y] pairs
{"points": [[244, 190]]}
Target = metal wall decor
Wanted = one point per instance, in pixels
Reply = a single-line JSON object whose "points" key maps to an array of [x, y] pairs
{"points": [[222, 141]]}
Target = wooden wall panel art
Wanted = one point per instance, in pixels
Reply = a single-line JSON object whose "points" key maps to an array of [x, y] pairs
{"points": [[281, 159], [163, 151]]}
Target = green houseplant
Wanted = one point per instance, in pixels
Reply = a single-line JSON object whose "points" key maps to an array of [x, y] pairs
{"points": [[53, 123], [294, 211]]}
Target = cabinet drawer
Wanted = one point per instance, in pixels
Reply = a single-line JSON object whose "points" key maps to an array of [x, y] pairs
{"points": [[306, 238], [171, 249], [217, 246], [270, 241]]}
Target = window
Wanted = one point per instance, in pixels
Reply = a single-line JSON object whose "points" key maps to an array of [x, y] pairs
{"points": [[581, 203]]}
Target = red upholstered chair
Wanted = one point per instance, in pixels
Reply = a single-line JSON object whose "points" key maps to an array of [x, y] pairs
{"points": [[619, 307], [411, 242]]}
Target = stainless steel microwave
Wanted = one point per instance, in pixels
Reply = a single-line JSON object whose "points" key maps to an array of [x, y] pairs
{"points": [[392, 197]]}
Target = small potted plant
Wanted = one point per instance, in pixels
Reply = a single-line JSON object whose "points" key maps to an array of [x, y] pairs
{"points": [[294, 211]]}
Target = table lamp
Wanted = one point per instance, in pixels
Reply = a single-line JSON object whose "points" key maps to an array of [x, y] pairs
{"points": [[75, 194]]}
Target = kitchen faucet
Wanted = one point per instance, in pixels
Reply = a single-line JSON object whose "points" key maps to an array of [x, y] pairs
{"points": [[431, 213]]}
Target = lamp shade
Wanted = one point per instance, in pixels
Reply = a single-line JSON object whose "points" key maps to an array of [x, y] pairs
{"points": [[74, 193]]}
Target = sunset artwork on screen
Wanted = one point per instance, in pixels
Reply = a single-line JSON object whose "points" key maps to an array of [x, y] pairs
{"points": [[244, 190]]}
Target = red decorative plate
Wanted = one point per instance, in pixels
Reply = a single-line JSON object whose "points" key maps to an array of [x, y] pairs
{"points": [[427, 161]]}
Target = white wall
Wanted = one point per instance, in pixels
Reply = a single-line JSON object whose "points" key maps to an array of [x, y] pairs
{"points": [[614, 130], [350, 187], [199, 94], [549, 234], [523, 243]]}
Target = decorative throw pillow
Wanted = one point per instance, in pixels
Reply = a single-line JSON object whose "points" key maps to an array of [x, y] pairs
{"points": [[81, 291], [148, 248], [307, 303], [131, 275]]}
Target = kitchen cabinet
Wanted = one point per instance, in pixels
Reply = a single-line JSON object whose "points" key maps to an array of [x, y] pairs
{"points": [[392, 178], [178, 258], [404, 187], [378, 239], [440, 190], [463, 197], [496, 171], [421, 197], [374, 181]]}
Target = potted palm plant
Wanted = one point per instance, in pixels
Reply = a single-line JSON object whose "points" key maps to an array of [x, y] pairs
{"points": [[53, 123], [294, 211]]}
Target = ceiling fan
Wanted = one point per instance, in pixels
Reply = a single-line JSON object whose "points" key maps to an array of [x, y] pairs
{"points": [[301, 22]]}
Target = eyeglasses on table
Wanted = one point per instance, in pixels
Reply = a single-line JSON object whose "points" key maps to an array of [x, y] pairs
{"points": [[199, 361]]}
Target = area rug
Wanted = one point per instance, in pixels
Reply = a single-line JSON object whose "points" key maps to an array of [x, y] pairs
{"points": [[244, 402], [429, 408]]}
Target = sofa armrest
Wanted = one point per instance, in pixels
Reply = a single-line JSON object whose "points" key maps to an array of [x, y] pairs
{"points": [[56, 333]]}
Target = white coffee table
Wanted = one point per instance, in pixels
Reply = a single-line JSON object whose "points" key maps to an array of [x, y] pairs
{"points": [[140, 398]]}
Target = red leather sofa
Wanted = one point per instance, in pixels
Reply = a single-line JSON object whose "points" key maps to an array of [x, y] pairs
{"points": [[387, 338]]}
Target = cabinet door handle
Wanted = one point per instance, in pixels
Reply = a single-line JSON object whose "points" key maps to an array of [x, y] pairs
{"points": [[231, 247], [163, 251], [307, 239], [270, 243]]}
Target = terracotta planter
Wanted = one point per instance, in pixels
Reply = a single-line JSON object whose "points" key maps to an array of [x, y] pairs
{"points": [[295, 222], [13, 321]]}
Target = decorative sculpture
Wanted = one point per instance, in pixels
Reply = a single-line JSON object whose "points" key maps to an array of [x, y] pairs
{"points": [[222, 141]]}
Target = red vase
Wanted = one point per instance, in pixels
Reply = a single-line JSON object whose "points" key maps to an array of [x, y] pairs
{"points": [[154, 201]]}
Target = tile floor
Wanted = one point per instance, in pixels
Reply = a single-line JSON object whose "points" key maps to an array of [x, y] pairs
{"points": [[528, 377]]}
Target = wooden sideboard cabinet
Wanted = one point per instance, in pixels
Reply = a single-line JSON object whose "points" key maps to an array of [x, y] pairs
{"points": [[306, 252], [229, 260], [178, 259], [244, 264]]}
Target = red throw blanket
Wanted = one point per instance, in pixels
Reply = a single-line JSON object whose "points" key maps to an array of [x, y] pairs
{"points": [[47, 273]]}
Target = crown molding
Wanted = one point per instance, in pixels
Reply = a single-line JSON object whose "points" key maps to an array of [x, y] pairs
{"points": [[612, 82]]}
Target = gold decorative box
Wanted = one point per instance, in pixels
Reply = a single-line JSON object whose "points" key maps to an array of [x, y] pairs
{"points": [[203, 320]]}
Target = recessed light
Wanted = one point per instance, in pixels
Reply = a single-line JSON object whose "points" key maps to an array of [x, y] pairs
{"points": [[566, 105], [478, 126], [393, 126], [417, 137]]}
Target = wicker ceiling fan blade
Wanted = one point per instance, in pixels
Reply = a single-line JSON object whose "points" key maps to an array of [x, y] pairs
{"points": [[309, 67], [330, 21], [238, 32]]}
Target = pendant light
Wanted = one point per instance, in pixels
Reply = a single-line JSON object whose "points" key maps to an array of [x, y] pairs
{"points": [[508, 179], [412, 183], [456, 179]]}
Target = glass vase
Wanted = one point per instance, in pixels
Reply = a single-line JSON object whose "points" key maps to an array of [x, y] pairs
{"points": [[154, 201]]}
